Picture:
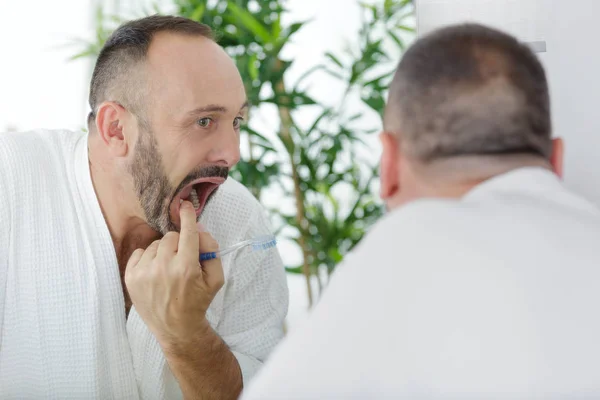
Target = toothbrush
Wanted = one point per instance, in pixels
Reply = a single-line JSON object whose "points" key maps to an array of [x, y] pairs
{"points": [[259, 243]]}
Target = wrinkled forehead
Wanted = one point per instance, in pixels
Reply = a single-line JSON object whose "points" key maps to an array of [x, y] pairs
{"points": [[186, 71]]}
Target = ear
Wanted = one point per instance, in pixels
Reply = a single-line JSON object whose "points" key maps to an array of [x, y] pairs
{"points": [[109, 124], [557, 156], [390, 166]]}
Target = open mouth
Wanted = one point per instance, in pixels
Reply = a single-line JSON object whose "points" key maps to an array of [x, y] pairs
{"points": [[197, 192]]}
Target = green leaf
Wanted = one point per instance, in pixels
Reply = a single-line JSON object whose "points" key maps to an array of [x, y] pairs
{"points": [[334, 59], [376, 82], [294, 270], [198, 12], [327, 112], [252, 68], [354, 117], [372, 8], [387, 6], [292, 100], [284, 38], [83, 54], [335, 74], [256, 134], [376, 102], [404, 16], [398, 41], [295, 27], [406, 28], [266, 147], [276, 29], [251, 23]]}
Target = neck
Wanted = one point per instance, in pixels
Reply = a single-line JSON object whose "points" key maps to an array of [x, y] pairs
{"points": [[118, 205], [455, 177]]}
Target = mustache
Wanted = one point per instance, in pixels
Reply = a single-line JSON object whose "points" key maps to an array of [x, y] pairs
{"points": [[211, 171]]}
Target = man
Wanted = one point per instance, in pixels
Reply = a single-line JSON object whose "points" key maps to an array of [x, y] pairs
{"points": [[101, 291], [483, 281]]}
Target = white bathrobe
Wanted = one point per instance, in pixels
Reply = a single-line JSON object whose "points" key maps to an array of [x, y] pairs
{"points": [[63, 330], [493, 296]]}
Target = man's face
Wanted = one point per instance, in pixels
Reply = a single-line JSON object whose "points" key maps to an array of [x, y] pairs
{"points": [[157, 196], [191, 136]]}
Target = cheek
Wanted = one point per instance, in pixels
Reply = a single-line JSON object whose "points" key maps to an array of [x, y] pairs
{"points": [[186, 160], [182, 153]]}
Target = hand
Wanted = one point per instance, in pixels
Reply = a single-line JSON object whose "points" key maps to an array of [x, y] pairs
{"points": [[169, 288]]}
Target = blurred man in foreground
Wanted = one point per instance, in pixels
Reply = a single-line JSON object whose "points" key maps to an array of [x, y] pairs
{"points": [[483, 281]]}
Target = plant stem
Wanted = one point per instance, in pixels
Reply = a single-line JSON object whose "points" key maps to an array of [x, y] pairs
{"points": [[255, 189], [319, 281], [286, 136]]}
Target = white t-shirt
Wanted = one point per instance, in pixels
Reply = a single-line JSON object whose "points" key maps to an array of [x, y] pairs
{"points": [[493, 296], [63, 329]]}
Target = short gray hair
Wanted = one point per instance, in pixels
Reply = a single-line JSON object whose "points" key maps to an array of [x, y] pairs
{"points": [[116, 76], [470, 90]]}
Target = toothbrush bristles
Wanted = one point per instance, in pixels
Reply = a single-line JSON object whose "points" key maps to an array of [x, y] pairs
{"points": [[264, 245]]}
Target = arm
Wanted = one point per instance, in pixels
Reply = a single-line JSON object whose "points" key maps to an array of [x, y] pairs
{"points": [[255, 306], [219, 363], [206, 368]]}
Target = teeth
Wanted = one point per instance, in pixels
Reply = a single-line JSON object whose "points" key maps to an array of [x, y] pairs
{"points": [[194, 199]]}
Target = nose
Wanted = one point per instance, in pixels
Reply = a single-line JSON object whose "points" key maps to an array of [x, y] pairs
{"points": [[226, 149]]}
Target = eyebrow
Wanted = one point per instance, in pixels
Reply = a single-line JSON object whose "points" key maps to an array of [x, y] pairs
{"points": [[215, 108]]}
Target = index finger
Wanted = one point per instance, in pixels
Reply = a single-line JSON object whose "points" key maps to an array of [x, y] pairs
{"points": [[188, 234]]}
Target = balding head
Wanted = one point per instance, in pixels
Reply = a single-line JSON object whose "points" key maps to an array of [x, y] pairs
{"points": [[469, 90]]}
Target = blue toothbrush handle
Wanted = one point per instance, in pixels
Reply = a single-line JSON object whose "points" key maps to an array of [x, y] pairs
{"points": [[260, 243], [208, 256]]}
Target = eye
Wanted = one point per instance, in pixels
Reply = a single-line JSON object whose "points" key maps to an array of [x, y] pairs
{"points": [[237, 123], [205, 122]]}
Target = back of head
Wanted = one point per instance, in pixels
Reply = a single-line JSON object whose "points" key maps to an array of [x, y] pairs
{"points": [[469, 90], [118, 74]]}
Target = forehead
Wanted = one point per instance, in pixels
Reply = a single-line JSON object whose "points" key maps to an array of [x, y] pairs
{"points": [[192, 71]]}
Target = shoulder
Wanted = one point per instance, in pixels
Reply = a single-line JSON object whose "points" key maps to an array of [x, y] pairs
{"points": [[418, 231], [38, 148], [38, 138], [423, 216], [34, 160]]}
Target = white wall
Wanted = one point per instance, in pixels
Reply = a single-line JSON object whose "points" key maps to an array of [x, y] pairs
{"points": [[38, 87], [572, 62], [573, 65]]}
